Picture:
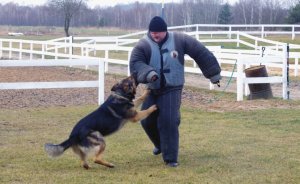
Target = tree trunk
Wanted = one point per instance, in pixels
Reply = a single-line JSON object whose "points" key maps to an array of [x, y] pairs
{"points": [[66, 27]]}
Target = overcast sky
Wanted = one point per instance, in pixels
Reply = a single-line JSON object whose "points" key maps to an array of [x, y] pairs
{"points": [[93, 3]]}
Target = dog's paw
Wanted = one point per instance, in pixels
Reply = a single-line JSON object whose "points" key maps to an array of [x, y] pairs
{"points": [[107, 164], [86, 166], [110, 165]]}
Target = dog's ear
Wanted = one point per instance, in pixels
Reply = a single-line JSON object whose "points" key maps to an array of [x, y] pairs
{"points": [[134, 77], [115, 87]]}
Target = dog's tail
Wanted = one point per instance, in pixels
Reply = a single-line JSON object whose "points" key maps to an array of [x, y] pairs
{"points": [[56, 150]]}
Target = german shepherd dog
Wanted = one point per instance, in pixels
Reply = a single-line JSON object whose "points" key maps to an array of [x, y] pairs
{"points": [[87, 137]]}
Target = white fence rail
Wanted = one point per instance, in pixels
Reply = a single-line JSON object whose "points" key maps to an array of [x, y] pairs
{"points": [[66, 48], [253, 42], [255, 29], [63, 84]]}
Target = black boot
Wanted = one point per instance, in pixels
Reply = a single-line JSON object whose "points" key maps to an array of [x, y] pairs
{"points": [[172, 164], [156, 151]]}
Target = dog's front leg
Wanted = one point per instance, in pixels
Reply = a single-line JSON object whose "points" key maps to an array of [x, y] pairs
{"points": [[143, 114], [141, 99]]}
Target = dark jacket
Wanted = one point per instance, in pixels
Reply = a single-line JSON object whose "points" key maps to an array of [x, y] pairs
{"points": [[141, 55]]}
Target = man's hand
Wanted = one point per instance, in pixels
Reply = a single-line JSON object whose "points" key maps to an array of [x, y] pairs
{"points": [[216, 79], [154, 78], [218, 83]]}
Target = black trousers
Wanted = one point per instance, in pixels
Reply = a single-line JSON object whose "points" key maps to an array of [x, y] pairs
{"points": [[162, 125]]}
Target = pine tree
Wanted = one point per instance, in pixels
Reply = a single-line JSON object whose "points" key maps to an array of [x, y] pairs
{"points": [[225, 15], [294, 15]]}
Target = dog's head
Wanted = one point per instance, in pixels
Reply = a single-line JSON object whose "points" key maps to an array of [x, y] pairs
{"points": [[126, 88]]}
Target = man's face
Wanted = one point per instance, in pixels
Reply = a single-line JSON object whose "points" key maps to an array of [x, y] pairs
{"points": [[158, 36]]}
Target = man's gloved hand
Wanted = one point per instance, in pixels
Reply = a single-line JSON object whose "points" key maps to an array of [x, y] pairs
{"points": [[152, 77], [218, 83], [216, 79]]}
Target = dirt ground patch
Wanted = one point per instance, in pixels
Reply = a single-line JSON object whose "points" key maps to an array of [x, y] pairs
{"points": [[192, 96]]}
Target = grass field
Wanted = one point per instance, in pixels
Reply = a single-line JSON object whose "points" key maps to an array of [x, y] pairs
{"points": [[253, 146], [260, 146]]}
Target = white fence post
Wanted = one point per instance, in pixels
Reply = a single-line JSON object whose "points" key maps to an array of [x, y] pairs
{"points": [[31, 50], [86, 51], [246, 87], [87, 66], [296, 66], [284, 72], [106, 61], [65, 40], [262, 31], [43, 50], [70, 46], [239, 80], [128, 68], [10, 48], [20, 49], [229, 36], [293, 32], [95, 52], [101, 82], [238, 39], [82, 51], [1, 52], [56, 52]]}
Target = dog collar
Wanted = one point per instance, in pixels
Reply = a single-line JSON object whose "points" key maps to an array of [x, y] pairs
{"points": [[120, 96]]}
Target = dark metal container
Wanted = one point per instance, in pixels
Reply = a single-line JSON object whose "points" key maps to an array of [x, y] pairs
{"points": [[262, 90]]}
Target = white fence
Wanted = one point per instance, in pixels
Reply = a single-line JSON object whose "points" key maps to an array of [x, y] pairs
{"points": [[63, 84], [65, 48], [254, 29], [91, 44]]}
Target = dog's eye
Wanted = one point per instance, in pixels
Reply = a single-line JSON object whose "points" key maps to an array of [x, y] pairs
{"points": [[125, 87]]}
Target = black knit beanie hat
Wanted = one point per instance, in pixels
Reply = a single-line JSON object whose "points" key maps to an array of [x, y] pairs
{"points": [[157, 24]]}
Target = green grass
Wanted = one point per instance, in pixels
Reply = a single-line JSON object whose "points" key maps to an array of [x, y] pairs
{"points": [[233, 147]]}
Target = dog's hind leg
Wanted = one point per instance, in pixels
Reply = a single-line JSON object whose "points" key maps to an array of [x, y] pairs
{"points": [[98, 157], [83, 157], [84, 163]]}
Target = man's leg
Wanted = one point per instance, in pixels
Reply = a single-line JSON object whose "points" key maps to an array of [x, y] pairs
{"points": [[168, 122], [150, 123]]}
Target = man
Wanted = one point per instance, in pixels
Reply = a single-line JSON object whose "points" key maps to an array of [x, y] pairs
{"points": [[158, 61]]}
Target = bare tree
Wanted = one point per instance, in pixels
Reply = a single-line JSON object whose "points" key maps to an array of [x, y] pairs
{"points": [[138, 15], [273, 8], [68, 8], [186, 12], [290, 3]]}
